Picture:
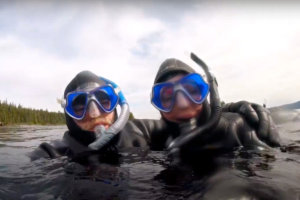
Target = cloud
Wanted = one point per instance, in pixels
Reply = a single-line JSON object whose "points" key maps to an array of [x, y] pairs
{"points": [[252, 50]]}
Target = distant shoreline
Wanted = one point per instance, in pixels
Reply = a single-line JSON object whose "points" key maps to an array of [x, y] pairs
{"points": [[22, 124], [11, 114]]}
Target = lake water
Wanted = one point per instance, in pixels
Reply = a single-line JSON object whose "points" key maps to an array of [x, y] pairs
{"points": [[145, 175]]}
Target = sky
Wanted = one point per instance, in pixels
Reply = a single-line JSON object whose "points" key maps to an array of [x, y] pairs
{"points": [[252, 48]]}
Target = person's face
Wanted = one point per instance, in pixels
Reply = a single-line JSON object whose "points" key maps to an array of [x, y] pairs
{"points": [[184, 109], [94, 115]]}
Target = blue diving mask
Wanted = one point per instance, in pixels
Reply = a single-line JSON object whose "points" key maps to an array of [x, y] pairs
{"points": [[192, 85], [77, 102]]}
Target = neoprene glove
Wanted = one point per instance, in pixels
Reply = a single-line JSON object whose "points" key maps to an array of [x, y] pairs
{"points": [[259, 118]]}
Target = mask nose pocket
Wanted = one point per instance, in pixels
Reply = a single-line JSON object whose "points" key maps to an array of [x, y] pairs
{"points": [[93, 110], [181, 100]]}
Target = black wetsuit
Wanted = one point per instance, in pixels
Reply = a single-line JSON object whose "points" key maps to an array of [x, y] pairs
{"points": [[75, 149], [232, 131]]}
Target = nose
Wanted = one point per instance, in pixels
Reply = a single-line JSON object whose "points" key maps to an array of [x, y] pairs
{"points": [[93, 110], [181, 100]]}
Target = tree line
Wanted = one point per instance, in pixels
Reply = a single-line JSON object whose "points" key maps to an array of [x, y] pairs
{"points": [[12, 114]]}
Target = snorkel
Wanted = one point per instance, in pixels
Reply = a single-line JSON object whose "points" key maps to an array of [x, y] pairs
{"points": [[215, 104], [104, 136]]}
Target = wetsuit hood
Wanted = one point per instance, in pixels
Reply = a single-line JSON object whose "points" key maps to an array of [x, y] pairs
{"points": [[84, 137], [170, 67], [80, 79]]}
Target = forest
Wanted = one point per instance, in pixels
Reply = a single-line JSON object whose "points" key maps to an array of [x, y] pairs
{"points": [[11, 114]]}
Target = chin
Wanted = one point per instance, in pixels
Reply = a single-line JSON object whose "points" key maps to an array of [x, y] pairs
{"points": [[182, 120], [106, 126], [181, 116], [186, 117], [179, 119]]}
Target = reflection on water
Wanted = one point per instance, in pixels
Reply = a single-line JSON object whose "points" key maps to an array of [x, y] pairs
{"points": [[145, 175]]}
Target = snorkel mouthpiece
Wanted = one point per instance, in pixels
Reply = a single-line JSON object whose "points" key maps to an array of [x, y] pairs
{"points": [[215, 110], [103, 135]]}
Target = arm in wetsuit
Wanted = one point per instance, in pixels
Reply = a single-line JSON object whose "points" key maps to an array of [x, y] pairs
{"points": [[49, 150], [233, 130], [136, 133], [230, 133], [259, 118], [145, 132]]}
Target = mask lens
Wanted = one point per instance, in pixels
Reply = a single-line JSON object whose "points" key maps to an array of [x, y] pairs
{"points": [[103, 99], [78, 104], [195, 86], [193, 89], [166, 95], [162, 96]]}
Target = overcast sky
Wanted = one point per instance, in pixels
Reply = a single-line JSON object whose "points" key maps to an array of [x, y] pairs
{"points": [[252, 48]]}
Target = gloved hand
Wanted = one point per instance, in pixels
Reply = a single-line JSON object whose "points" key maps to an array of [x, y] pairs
{"points": [[259, 118]]}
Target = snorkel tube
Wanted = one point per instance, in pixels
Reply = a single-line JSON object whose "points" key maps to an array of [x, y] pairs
{"points": [[215, 104], [104, 136]]}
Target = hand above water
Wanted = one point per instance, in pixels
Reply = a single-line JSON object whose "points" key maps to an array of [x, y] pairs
{"points": [[258, 117]]}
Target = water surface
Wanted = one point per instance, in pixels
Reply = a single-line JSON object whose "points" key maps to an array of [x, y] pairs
{"points": [[141, 174]]}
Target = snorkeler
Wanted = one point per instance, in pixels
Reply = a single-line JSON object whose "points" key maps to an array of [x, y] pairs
{"points": [[93, 123], [192, 126]]}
